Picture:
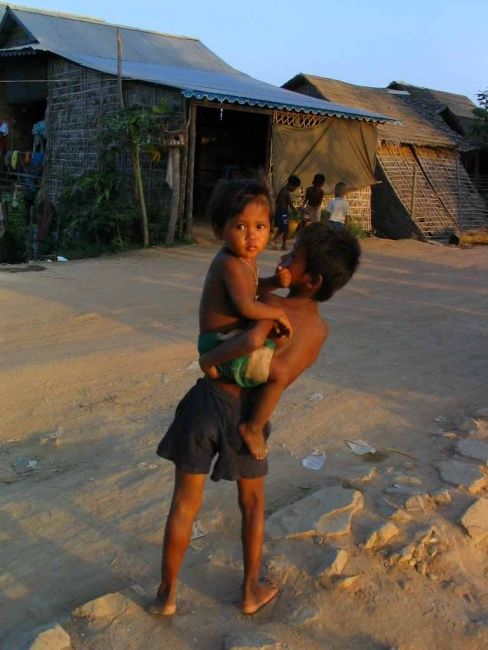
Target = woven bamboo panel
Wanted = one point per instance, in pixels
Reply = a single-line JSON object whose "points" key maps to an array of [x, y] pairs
{"points": [[360, 204], [77, 97], [77, 100], [453, 186], [441, 199], [299, 120]]}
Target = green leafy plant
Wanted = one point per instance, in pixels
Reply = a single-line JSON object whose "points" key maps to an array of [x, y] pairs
{"points": [[357, 230], [135, 129], [14, 240], [95, 213], [480, 127]]}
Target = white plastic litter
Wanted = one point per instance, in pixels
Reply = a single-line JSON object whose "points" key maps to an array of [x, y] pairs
{"points": [[316, 397], [145, 465], [360, 448], [198, 530], [60, 258], [315, 461], [24, 465]]}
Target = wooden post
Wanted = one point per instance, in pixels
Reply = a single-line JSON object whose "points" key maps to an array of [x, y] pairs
{"points": [[175, 195], [30, 235], [140, 193], [460, 219], [181, 208], [119, 69], [414, 185], [191, 172], [269, 135]]}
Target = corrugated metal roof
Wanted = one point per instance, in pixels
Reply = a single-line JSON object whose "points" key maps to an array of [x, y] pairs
{"points": [[174, 61]]}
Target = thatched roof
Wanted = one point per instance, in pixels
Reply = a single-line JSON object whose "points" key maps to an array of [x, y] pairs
{"points": [[438, 102], [414, 128]]}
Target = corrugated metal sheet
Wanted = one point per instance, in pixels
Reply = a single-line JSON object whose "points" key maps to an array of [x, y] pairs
{"points": [[177, 62]]}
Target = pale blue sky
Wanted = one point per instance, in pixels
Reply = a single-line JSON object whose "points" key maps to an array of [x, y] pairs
{"points": [[440, 44]]}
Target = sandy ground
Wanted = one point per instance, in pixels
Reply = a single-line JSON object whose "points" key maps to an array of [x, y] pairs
{"points": [[94, 356]]}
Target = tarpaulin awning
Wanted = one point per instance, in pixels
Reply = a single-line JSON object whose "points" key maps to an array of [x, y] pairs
{"points": [[342, 151]]}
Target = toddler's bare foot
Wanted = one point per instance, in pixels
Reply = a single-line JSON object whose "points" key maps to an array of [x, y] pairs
{"points": [[257, 596], [254, 440], [164, 603], [210, 371]]}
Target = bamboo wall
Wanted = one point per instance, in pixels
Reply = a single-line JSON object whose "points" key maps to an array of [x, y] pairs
{"points": [[360, 204], [431, 193], [77, 99]]}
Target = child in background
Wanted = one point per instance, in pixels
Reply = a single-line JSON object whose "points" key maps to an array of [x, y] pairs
{"points": [[240, 212], [313, 200], [284, 206], [337, 211]]}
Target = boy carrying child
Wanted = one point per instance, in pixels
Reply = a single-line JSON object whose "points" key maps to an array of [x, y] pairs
{"points": [[207, 419]]}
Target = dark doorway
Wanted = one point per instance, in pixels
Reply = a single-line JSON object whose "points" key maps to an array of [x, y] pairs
{"points": [[229, 144]]}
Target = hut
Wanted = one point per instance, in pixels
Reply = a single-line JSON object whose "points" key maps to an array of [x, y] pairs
{"points": [[64, 72], [457, 113], [424, 189]]}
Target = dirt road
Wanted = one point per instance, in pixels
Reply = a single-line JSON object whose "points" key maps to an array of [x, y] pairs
{"points": [[94, 356]]}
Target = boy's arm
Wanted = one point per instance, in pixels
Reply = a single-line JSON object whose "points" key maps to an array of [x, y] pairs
{"points": [[289, 203], [301, 352], [238, 283], [237, 346]]}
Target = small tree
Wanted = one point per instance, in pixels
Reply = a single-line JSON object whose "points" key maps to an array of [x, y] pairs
{"points": [[480, 128], [133, 129]]}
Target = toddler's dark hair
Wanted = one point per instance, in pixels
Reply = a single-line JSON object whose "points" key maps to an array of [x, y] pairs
{"points": [[229, 198], [318, 179], [332, 254], [294, 181]]}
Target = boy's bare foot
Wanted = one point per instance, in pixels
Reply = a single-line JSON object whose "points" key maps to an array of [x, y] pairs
{"points": [[254, 440], [164, 603], [257, 596]]}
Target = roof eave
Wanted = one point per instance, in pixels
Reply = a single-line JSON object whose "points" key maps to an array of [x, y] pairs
{"points": [[250, 101]]}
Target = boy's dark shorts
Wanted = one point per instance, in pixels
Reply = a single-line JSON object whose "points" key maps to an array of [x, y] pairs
{"points": [[281, 221], [205, 425]]}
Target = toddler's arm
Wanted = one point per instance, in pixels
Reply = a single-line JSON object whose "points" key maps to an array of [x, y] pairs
{"points": [[243, 295], [280, 280], [236, 346]]}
